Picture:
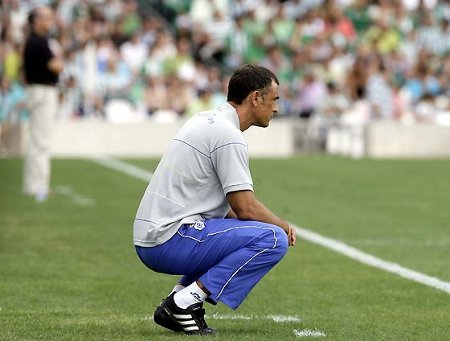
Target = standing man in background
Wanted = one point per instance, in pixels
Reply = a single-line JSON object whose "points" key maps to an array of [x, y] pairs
{"points": [[41, 69]]}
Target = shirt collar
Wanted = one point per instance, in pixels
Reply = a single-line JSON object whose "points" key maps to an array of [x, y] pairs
{"points": [[231, 113]]}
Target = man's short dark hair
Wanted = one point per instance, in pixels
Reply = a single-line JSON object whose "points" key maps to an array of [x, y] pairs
{"points": [[248, 78], [32, 17], [34, 14]]}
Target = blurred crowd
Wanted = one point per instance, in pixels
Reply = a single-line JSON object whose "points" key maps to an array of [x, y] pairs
{"points": [[382, 59]]}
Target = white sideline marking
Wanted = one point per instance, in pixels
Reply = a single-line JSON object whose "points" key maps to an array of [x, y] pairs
{"points": [[310, 236], [274, 318], [370, 260], [124, 167], [283, 318], [78, 199], [309, 332]]}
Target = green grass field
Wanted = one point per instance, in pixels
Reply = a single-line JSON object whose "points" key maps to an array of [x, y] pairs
{"points": [[68, 270]]}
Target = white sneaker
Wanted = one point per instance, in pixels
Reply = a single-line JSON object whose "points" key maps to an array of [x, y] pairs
{"points": [[41, 195]]}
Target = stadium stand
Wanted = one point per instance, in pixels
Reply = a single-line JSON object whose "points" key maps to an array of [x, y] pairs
{"points": [[162, 60]]}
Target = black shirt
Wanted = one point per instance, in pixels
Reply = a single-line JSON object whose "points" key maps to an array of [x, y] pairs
{"points": [[36, 56]]}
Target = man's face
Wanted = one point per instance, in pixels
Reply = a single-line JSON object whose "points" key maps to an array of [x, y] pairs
{"points": [[266, 106], [45, 20]]}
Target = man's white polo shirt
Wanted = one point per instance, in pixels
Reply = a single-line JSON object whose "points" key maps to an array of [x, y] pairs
{"points": [[205, 161]]}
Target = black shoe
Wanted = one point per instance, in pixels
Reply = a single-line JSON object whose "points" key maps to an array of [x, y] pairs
{"points": [[163, 319], [190, 320]]}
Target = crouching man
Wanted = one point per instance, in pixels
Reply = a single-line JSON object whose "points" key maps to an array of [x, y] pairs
{"points": [[199, 216]]}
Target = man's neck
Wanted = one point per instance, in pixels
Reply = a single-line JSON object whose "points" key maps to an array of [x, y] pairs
{"points": [[243, 115]]}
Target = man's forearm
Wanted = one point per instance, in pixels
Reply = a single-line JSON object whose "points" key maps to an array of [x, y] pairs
{"points": [[246, 207], [271, 218], [260, 212], [56, 65]]}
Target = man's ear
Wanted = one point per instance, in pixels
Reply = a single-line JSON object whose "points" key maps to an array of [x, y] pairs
{"points": [[254, 97]]}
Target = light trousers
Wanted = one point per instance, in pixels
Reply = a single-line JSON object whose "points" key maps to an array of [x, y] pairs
{"points": [[42, 103]]}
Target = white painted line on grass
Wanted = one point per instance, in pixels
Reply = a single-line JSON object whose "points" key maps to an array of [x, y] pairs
{"points": [[309, 333], [370, 260], [274, 318], [77, 198], [217, 316], [283, 318], [233, 317], [310, 236], [124, 167]]}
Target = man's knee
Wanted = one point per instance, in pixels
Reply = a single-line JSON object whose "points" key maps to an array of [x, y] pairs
{"points": [[276, 240], [282, 242]]}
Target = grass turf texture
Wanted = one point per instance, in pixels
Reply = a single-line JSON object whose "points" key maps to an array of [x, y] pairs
{"points": [[70, 272]]}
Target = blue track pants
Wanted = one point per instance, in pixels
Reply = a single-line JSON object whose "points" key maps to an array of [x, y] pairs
{"points": [[228, 256]]}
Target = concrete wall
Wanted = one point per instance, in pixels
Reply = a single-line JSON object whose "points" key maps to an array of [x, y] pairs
{"points": [[84, 138], [390, 140], [281, 139], [149, 139], [393, 140]]}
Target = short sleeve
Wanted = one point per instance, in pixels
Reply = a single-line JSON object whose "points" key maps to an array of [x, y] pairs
{"points": [[230, 161]]}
